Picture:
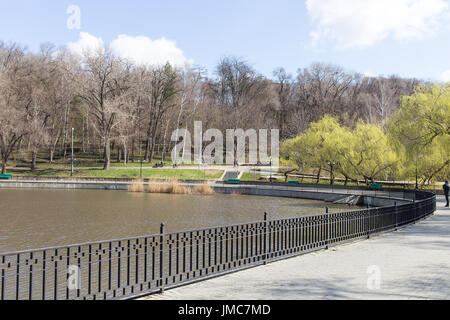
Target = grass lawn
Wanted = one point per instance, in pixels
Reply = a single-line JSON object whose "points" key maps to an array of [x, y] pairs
{"points": [[189, 174]]}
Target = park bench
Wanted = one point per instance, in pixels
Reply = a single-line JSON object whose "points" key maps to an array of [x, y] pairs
{"points": [[234, 181], [5, 176], [375, 186]]}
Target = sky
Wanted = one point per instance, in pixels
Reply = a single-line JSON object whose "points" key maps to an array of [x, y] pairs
{"points": [[409, 38]]}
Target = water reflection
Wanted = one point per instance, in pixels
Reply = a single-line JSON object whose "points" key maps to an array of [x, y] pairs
{"points": [[33, 219]]}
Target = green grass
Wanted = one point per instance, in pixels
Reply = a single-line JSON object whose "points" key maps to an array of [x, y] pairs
{"points": [[188, 174], [85, 161]]}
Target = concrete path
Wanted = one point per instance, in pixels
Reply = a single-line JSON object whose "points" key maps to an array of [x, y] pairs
{"points": [[412, 263]]}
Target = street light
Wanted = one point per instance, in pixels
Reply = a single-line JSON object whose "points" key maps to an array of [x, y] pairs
{"points": [[416, 162]]}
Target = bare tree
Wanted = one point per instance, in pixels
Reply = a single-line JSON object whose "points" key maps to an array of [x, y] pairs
{"points": [[162, 92], [103, 84], [13, 100]]}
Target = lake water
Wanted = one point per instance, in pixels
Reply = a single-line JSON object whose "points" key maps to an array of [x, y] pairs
{"points": [[32, 219]]}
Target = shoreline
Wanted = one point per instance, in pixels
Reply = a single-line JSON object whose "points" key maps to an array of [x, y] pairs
{"points": [[366, 197]]}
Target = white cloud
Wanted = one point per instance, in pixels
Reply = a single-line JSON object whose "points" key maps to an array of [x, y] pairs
{"points": [[143, 50], [86, 44], [140, 50], [446, 76], [361, 23]]}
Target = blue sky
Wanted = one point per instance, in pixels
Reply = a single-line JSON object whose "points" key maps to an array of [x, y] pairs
{"points": [[410, 38]]}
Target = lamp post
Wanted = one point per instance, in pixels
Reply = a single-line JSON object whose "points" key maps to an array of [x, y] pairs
{"points": [[416, 162]]}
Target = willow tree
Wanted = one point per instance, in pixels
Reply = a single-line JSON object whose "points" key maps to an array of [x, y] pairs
{"points": [[370, 152], [323, 146], [421, 130]]}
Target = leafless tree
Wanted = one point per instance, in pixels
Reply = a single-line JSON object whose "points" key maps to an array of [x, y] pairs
{"points": [[160, 97], [13, 100], [103, 84]]}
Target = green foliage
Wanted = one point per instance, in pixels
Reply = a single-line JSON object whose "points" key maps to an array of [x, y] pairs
{"points": [[360, 153], [370, 154], [420, 131], [422, 118], [315, 147], [417, 141], [326, 144]]}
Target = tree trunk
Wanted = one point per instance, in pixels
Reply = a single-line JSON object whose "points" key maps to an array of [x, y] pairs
{"points": [[87, 134], [125, 154], [4, 165], [83, 134], [164, 142], [66, 124], [147, 149], [33, 160], [133, 146], [153, 141], [149, 138], [107, 154], [119, 153], [152, 149]]}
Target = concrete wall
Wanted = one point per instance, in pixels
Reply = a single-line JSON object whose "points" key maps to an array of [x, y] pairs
{"points": [[369, 197], [64, 185]]}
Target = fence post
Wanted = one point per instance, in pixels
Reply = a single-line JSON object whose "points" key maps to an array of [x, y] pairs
{"points": [[368, 222], [396, 216], [417, 211], [328, 228], [265, 238], [161, 259]]}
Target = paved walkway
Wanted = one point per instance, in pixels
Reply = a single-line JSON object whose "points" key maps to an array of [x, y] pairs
{"points": [[413, 263]]}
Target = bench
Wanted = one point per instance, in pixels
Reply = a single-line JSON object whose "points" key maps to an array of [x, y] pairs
{"points": [[5, 176], [234, 181], [375, 186]]}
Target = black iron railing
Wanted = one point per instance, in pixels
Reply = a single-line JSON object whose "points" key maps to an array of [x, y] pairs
{"points": [[126, 268]]}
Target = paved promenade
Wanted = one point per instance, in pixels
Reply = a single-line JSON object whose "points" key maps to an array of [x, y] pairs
{"points": [[412, 263]]}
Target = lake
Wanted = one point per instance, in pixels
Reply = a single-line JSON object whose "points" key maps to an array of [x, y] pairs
{"points": [[32, 219]]}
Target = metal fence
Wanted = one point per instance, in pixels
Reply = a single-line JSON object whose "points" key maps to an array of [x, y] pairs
{"points": [[126, 268]]}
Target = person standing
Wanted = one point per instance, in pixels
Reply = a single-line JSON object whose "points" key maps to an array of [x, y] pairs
{"points": [[446, 191]]}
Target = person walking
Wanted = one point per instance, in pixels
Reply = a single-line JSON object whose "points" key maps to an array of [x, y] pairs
{"points": [[446, 190]]}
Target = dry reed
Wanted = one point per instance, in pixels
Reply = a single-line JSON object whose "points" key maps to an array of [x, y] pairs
{"points": [[170, 187], [137, 186], [204, 189]]}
